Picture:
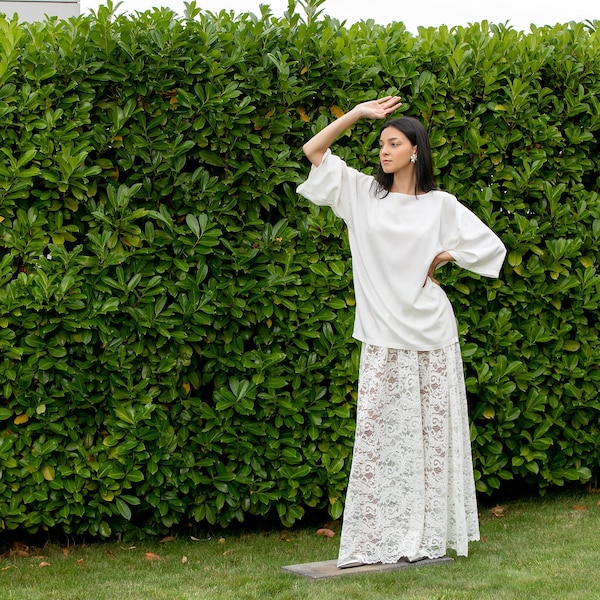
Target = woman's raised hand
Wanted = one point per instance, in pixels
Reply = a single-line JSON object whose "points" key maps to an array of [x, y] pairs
{"points": [[316, 147], [380, 108]]}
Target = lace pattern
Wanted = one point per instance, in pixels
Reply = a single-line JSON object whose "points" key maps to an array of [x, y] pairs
{"points": [[411, 492]]}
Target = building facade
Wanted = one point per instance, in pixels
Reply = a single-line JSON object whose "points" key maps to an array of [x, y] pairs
{"points": [[38, 10]]}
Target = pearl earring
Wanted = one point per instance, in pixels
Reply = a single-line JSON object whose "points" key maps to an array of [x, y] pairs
{"points": [[413, 158]]}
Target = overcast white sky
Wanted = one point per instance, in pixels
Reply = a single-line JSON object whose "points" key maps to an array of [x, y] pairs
{"points": [[519, 13]]}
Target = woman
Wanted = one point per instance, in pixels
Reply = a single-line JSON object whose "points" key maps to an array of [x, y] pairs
{"points": [[411, 493]]}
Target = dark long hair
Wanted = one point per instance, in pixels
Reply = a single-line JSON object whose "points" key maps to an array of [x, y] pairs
{"points": [[413, 129]]}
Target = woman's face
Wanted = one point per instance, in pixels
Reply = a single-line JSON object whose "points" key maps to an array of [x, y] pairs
{"points": [[395, 150]]}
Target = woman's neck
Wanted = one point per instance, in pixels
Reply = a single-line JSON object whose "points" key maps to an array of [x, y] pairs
{"points": [[405, 184]]}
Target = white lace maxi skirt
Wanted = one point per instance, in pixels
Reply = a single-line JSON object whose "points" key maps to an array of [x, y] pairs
{"points": [[411, 492]]}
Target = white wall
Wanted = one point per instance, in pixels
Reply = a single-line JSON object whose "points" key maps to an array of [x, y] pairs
{"points": [[36, 10]]}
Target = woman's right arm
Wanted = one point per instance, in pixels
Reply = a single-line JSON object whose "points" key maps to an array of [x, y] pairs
{"points": [[316, 147]]}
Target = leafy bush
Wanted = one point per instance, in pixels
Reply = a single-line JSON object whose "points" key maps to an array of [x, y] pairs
{"points": [[175, 323]]}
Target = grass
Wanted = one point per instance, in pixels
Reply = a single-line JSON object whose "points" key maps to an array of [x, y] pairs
{"points": [[544, 548]]}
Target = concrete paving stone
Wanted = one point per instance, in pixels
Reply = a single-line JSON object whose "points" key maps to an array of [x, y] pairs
{"points": [[328, 568]]}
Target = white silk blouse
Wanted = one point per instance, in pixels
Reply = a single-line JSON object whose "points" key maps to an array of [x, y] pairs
{"points": [[393, 241]]}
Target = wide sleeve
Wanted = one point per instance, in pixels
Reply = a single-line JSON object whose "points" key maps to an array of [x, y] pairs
{"points": [[332, 184], [474, 245]]}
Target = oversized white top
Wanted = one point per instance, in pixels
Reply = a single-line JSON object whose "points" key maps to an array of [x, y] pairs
{"points": [[393, 241]]}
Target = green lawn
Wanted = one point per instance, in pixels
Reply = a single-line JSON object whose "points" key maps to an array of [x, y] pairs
{"points": [[545, 548]]}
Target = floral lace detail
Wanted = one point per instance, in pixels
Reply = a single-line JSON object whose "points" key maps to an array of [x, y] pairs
{"points": [[411, 492]]}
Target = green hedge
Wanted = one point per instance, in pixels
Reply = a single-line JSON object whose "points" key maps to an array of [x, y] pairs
{"points": [[175, 321]]}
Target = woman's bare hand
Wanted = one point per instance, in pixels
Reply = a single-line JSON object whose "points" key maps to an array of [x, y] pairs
{"points": [[380, 108], [316, 147], [440, 259]]}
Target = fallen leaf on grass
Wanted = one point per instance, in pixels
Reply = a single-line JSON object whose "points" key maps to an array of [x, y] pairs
{"points": [[184, 560], [44, 564], [9, 567], [19, 549], [579, 507], [498, 511], [227, 552], [326, 532], [221, 540], [81, 561], [151, 556], [285, 536], [169, 538], [65, 551]]}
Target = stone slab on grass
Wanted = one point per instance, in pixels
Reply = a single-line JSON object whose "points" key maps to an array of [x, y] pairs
{"points": [[328, 568]]}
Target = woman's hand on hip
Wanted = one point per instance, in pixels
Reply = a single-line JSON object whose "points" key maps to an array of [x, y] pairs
{"points": [[441, 259]]}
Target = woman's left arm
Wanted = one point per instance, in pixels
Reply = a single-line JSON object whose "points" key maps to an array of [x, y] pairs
{"points": [[441, 259]]}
